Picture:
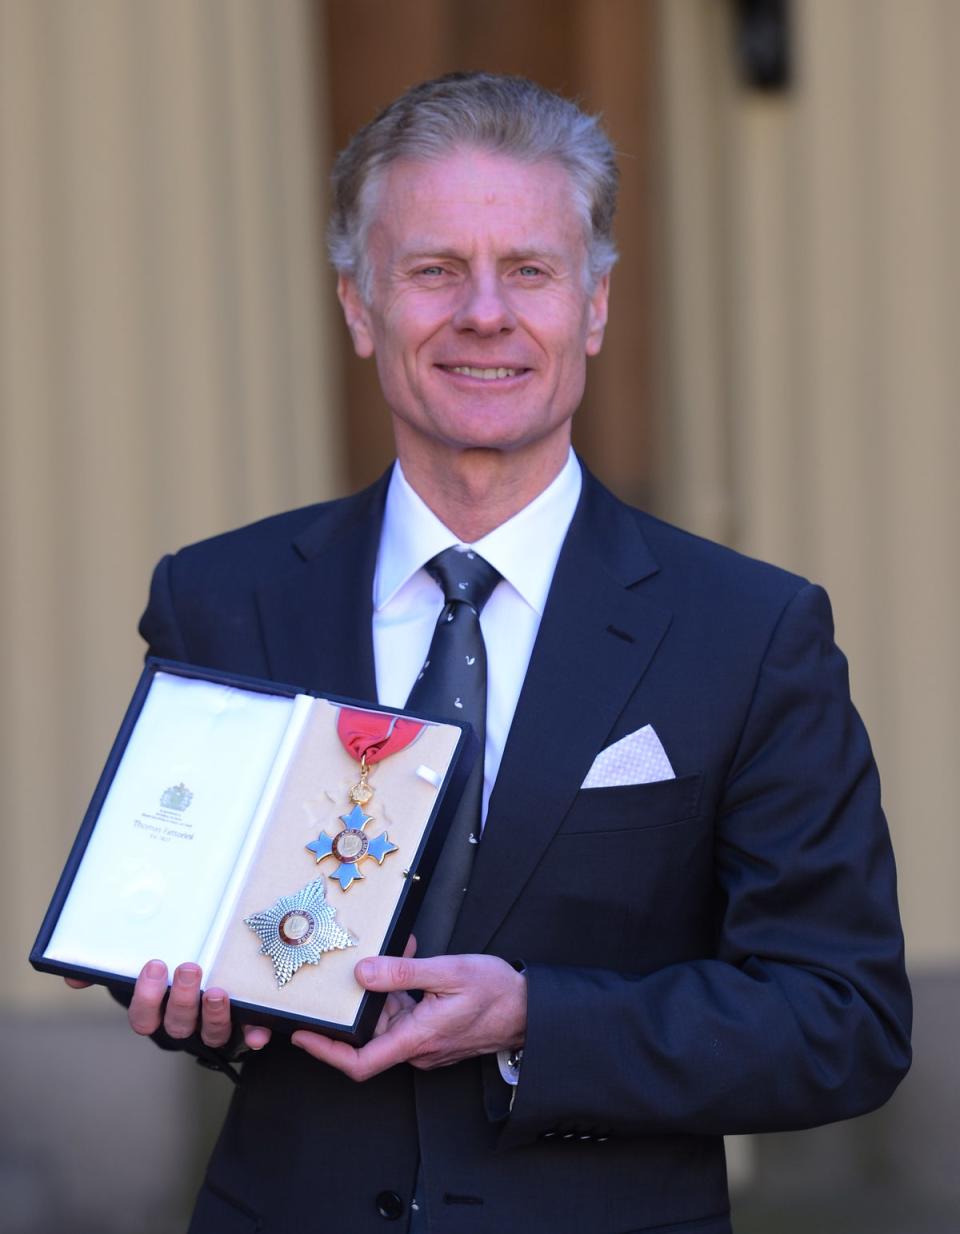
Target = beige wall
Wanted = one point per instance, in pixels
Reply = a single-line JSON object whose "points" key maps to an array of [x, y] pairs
{"points": [[166, 371], [164, 365], [813, 367]]}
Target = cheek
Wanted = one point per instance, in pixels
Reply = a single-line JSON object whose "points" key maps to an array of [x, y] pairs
{"points": [[400, 371], [561, 331], [389, 371], [406, 336]]}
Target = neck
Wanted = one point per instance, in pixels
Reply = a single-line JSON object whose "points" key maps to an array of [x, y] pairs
{"points": [[478, 490]]}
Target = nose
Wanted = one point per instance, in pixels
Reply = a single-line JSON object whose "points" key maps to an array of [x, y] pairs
{"points": [[484, 307]]}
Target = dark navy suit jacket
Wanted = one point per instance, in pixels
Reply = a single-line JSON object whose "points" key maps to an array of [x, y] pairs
{"points": [[711, 954]]}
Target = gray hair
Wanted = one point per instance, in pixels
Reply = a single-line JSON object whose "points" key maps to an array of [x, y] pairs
{"points": [[488, 111]]}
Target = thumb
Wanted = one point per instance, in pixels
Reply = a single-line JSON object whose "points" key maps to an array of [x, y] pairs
{"points": [[389, 973], [374, 970], [404, 973]]}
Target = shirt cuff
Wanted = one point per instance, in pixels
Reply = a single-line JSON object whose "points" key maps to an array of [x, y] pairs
{"points": [[508, 1062]]}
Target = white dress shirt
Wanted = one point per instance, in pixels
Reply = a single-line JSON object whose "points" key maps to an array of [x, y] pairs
{"points": [[407, 601]]}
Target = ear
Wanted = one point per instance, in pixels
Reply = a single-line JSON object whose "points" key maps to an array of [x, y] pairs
{"points": [[356, 314], [597, 315]]}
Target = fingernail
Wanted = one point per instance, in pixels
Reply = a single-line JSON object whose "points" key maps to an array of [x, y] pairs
{"points": [[189, 974], [215, 998], [366, 970], [156, 968]]}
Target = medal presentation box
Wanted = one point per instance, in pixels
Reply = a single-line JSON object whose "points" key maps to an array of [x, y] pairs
{"points": [[272, 836]]}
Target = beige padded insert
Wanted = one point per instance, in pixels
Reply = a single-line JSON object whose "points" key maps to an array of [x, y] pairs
{"points": [[311, 799]]}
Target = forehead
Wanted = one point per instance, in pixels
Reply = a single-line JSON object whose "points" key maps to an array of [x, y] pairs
{"points": [[475, 196]]}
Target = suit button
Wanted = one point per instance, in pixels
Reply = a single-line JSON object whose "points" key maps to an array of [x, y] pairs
{"points": [[389, 1205]]}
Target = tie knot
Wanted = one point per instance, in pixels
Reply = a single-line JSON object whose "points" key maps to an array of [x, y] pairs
{"points": [[463, 576]]}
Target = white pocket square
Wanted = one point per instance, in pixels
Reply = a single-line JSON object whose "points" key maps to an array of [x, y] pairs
{"points": [[638, 758]]}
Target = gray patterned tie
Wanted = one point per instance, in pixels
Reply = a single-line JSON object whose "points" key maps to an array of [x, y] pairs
{"points": [[453, 683]]}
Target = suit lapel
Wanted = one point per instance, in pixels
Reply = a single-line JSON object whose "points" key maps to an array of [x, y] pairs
{"points": [[595, 641], [316, 619]]}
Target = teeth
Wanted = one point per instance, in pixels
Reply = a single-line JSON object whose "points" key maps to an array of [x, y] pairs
{"points": [[485, 374]]}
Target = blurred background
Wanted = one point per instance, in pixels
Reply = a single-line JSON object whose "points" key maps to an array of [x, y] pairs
{"points": [[781, 373]]}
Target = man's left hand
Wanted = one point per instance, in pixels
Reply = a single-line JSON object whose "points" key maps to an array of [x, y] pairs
{"points": [[472, 1004]]}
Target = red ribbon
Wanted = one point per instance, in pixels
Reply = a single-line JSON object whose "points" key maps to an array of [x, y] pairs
{"points": [[374, 734]]}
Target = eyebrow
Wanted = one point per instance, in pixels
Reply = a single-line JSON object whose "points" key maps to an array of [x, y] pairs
{"points": [[528, 252], [422, 253]]}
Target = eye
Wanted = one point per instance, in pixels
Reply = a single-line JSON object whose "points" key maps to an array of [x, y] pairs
{"points": [[431, 271], [529, 272]]}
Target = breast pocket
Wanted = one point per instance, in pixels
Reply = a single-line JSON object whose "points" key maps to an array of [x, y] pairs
{"points": [[622, 860], [630, 807]]}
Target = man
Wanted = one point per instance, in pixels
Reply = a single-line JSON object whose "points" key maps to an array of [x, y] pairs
{"points": [[699, 941]]}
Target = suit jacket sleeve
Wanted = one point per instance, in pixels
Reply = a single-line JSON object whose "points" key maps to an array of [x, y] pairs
{"points": [[803, 1014], [158, 625]]}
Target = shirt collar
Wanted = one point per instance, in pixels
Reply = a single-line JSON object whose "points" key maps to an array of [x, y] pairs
{"points": [[524, 549]]}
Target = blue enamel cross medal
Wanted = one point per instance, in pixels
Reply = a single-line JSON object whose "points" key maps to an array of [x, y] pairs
{"points": [[368, 737], [351, 845]]}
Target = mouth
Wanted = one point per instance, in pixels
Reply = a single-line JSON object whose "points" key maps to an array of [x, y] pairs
{"points": [[500, 373]]}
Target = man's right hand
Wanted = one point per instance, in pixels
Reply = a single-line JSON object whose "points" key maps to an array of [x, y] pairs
{"points": [[185, 1009]]}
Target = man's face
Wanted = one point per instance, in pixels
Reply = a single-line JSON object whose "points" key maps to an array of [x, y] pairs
{"points": [[478, 315]]}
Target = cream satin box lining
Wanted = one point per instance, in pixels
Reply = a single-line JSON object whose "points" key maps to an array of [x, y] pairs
{"points": [[202, 817]]}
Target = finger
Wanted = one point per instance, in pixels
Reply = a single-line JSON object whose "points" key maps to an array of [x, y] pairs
{"points": [[255, 1036], [337, 1053], [400, 1044], [183, 1004], [397, 1003], [411, 948], [215, 1026], [75, 984], [149, 992]]}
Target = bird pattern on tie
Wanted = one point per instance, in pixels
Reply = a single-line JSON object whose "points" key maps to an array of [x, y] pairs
{"points": [[453, 685]]}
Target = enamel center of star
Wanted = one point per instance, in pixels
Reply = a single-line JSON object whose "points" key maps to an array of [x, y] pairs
{"points": [[351, 846]]}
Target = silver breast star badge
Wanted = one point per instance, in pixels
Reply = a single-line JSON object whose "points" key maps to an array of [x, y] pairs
{"points": [[298, 929]]}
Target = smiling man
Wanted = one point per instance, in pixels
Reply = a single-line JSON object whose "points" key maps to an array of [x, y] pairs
{"points": [[681, 918], [480, 309]]}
